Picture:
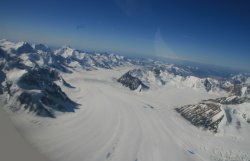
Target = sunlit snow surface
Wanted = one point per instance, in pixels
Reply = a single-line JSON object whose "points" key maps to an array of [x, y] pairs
{"points": [[114, 123]]}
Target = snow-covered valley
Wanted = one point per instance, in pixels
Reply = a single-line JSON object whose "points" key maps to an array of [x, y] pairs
{"points": [[111, 122], [114, 123]]}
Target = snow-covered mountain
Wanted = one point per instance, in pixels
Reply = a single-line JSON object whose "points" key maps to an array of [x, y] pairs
{"points": [[75, 58], [207, 114], [64, 59], [29, 72], [132, 82], [157, 76], [23, 58], [33, 88], [109, 107]]}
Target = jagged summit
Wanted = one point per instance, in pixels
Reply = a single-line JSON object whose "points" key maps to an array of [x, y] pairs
{"points": [[25, 48], [42, 47]]}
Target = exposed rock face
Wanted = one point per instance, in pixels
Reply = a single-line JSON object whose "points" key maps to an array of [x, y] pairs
{"points": [[231, 100], [42, 48], [208, 85], [2, 53], [2, 74], [45, 103], [209, 113], [206, 115], [41, 95], [237, 90], [2, 78], [38, 78], [25, 48], [33, 102], [36, 90], [132, 82]]}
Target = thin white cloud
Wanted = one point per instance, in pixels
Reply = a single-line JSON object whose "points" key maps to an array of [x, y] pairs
{"points": [[127, 6], [161, 47], [130, 7], [163, 50]]}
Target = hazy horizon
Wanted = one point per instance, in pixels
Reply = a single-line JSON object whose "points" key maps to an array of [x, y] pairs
{"points": [[210, 32]]}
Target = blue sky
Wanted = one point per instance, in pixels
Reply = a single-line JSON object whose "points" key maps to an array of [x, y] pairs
{"points": [[208, 31]]}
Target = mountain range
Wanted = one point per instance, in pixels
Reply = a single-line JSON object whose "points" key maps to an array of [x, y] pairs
{"points": [[36, 67], [41, 82]]}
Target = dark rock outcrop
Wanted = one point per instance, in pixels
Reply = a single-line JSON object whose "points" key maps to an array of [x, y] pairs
{"points": [[42, 48], [206, 115], [25, 48], [41, 95], [45, 103], [38, 78], [131, 82], [208, 85], [231, 100]]}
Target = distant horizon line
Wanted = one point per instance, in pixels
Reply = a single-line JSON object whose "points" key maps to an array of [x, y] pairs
{"points": [[178, 60]]}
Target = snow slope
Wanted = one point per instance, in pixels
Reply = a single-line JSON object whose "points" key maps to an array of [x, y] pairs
{"points": [[13, 147], [115, 123]]}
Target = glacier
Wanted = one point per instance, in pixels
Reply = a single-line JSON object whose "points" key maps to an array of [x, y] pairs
{"points": [[73, 105]]}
